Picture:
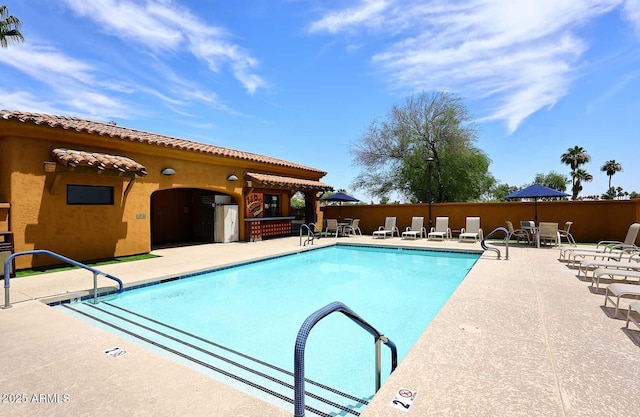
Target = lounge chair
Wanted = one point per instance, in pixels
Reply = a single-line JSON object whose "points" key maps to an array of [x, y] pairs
{"points": [[389, 228], [441, 230], [618, 290], [548, 232], [416, 229], [332, 227], [353, 228], [564, 233], [472, 230], [604, 246], [518, 233], [613, 274], [634, 314], [631, 263]]}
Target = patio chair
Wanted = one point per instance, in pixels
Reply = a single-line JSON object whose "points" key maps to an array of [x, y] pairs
{"points": [[416, 229], [389, 228], [605, 249], [564, 233], [332, 227], [548, 232], [353, 228], [441, 230], [634, 314], [616, 291], [518, 233], [472, 230]]}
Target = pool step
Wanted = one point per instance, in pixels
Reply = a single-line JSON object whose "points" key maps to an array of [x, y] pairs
{"points": [[261, 379]]}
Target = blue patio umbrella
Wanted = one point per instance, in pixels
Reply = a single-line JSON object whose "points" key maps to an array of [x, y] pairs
{"points": [[340, 198], [536, 191]]}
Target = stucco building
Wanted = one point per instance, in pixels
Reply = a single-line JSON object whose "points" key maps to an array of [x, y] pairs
{"points": [[91, 190]]}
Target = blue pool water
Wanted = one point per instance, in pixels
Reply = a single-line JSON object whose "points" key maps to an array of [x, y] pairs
{"points": [[258, 308]]}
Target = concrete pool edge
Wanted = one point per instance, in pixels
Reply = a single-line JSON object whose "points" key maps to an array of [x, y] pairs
{"points": [[106, 291]]}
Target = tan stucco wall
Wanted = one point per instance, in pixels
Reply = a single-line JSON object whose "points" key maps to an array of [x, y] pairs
{"points": [[40, 218], [592, 220]]}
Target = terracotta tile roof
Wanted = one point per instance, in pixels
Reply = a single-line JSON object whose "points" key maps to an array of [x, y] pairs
{"points": [[100, 161], [123, 133], [288, 182]]}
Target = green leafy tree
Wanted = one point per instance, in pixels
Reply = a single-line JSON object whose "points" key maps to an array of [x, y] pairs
{"points": [[552, 180], [499, 191], [297, 200], [576, 157], [611, 168], [9, 28], [393, 152]]}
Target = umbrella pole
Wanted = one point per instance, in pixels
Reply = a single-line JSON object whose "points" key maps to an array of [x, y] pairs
{"points": [[535, 205]]}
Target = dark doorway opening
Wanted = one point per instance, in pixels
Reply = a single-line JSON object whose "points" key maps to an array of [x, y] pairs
{"points": [[182, 216]]}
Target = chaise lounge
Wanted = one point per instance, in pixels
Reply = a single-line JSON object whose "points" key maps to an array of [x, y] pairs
{"points": [[389, 228], [416, 229], [472, 230], [441, 230]]}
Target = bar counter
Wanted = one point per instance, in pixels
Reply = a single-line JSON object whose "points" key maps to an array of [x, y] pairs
{"points": [[266, 227]]}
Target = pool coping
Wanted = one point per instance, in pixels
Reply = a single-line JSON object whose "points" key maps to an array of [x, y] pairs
{"points": [[111, 290]]}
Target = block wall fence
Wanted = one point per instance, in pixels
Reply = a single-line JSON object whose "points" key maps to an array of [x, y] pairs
{"points": [[592, 220]]}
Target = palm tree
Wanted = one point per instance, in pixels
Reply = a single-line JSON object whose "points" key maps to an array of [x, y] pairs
{"points": [[611, 167], [9, 28], [578, 176], [574, 157]]}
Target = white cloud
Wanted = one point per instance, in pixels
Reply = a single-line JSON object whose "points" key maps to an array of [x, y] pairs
{"points": [[36, 60], [165, 26], [518, 55], [631, 12], [365, 13]]}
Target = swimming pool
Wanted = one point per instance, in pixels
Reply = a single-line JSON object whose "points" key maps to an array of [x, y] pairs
{"points": [[249, 316]]}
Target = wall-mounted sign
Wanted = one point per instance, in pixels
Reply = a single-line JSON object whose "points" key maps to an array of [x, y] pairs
{"points": [[254, 204]]}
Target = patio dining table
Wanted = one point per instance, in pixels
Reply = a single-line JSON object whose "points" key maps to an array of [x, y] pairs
{"points": [[532, 229]]}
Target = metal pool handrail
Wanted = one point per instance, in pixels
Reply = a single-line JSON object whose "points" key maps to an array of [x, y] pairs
{"points": [[96, 272], [507, 236], [301, 340], [311, 235]]}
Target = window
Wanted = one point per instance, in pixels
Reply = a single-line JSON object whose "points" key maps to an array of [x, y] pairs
{"points": [[89, 195], [272, 205]]}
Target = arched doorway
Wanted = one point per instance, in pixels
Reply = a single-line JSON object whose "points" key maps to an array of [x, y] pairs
{"points": [[183, 216]]}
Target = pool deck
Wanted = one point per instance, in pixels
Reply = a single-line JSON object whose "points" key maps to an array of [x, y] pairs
{"points": [[519, 337]]}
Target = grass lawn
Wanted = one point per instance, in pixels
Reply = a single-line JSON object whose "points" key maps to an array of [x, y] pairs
{"points": [[58, 268]]}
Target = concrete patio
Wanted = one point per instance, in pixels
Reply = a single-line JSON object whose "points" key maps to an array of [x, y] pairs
{"points": [[519, 337]]}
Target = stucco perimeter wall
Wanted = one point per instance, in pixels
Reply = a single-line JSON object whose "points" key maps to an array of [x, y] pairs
{"points": [[592, 220]]}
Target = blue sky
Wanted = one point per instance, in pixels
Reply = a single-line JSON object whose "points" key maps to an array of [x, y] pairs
{"points": [[302, 79]]}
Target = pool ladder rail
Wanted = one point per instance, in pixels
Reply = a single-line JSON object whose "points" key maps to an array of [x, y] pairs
{"points": [[312, 233], [7, 284], [301, 340], [507, 237]]}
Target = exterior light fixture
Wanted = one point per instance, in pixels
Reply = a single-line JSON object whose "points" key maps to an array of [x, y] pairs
{"points": [[168, 171], [49, 166], [232, 177]]}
